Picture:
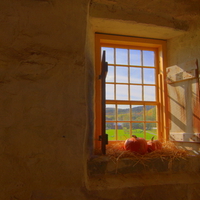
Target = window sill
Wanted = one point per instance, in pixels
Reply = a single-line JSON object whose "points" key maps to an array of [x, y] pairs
{"points": [[103, 165]]}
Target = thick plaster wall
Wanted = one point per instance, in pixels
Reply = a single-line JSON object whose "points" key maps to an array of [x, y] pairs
{"points": [[184, 96], [43, 98], [184, 47], [46, 103]]}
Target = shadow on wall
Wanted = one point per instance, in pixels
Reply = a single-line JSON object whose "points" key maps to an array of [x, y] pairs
{"points": [[183, 95]]}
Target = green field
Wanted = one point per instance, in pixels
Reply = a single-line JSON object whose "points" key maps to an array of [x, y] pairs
{"points": [[124, 134]]}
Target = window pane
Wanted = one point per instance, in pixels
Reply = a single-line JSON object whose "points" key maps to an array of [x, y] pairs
{"points": [[138, 129], [135, 57], [136, 92], [110, 112], [110, 91], [123, 112], [122, 74], [137, 113], [122, 56], [151, 130], [150, 113], [135, 75], [123, 131], [109, 54], [110, 130], [110, 74], [122, 92], [149, 76], [148, 58], [149, 93]]}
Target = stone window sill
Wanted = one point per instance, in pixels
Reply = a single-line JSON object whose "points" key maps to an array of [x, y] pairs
{"points": [[102, 165]]}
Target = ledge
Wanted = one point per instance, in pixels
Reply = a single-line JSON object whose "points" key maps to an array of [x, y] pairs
{"points": [[103, 165]]}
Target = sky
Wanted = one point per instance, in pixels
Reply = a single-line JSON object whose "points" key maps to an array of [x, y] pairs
{"points": [[135, 59]]}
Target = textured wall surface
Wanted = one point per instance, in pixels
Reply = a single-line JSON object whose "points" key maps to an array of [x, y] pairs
{"points": [[42, 101], [184, 96], [46, 92]]}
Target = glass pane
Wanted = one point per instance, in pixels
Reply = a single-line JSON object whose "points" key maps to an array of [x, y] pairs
{"points": [[110, 130], [149, 76], [151, 130], [110, 74], [135, 75], [109, 54], [122, 56], [137, 113], [110, 112], [136, 92], [138, 129], [150, 113], [122, 92], [149, 93], [123, 112], [110, 91], [123, 131], [122, 74], [135, 57], [148, 58]]}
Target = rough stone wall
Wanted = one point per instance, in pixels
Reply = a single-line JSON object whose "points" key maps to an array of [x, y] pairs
{"points": [[46, 101], [43, 98], [184, 96], [185, 47], [161, 13]]}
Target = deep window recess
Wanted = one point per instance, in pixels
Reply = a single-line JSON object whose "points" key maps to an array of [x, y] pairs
{"points": [[134, 89]]}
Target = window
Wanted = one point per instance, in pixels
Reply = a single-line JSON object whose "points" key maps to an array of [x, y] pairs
{"points": [[134, 85]]}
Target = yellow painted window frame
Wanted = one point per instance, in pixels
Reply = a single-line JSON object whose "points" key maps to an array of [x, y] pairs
{"points": [[102, 40]]}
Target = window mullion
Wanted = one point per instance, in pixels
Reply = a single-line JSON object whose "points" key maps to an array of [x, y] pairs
{"points": [[129, 75], [142, 74], [114, 73]]}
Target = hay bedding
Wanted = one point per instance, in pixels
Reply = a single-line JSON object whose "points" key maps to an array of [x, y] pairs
{"points": [[168, 152], [169, 149]]}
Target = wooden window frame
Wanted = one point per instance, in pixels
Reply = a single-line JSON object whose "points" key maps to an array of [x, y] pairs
{"points": [[144, 43]]}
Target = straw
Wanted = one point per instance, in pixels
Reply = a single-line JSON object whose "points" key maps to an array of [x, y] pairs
{"points": [[169, 151]]}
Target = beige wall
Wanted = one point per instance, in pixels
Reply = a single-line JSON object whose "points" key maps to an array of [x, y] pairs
{"points": [[43, 98], [184, 96]]}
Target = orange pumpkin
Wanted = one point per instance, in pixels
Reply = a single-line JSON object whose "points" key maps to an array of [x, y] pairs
{"points": [[135, 144], [153, 145]]}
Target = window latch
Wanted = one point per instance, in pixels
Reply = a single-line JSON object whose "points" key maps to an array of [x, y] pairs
{"points": [[103, 138]]}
